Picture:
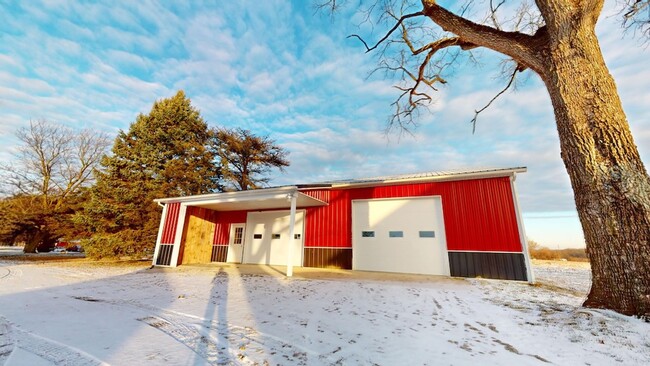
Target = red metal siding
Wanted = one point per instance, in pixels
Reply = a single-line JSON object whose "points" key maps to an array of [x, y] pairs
{"points": [[171, 221], [319, 194], [479, 214], [222, 229], [331, 225]]}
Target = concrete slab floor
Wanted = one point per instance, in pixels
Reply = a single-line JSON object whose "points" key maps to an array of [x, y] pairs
{"points": [[310, 273]]}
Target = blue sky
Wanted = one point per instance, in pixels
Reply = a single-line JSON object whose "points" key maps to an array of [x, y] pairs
{"points": [[279, 69]]}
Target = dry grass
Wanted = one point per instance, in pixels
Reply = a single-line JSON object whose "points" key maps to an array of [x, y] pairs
{"points": [[561, 263], [75, 260], [572, 254]]}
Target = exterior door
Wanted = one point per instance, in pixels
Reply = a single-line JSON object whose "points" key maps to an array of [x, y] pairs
{"points": [[267, 238], [236, 243], [403, 235]]}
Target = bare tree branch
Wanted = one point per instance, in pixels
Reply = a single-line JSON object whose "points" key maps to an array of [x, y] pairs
{"points": [[636, 16], [53, 161], [493, 13], [388, 34], [331, 6], [510, 81], [463, 34], [519, 46]]}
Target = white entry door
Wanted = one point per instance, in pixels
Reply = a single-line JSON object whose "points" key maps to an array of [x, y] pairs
{"points": [[267, 238], [399, 235], [236, 243]]}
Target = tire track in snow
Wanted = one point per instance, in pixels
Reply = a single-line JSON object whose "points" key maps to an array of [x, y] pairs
{"points": [[4, 272], [53, 351], [211, 350], [6, 341], [219, 343], [7, 272]]}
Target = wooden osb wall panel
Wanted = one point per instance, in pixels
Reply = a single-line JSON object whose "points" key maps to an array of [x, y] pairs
{"points": [[197, 235], [328, 258]]}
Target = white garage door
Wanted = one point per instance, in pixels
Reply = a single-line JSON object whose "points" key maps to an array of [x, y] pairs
{"points": [[399, 235], [267, 238]]}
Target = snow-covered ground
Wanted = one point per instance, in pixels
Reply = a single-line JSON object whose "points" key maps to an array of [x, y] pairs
{"points": [[79, 313]]}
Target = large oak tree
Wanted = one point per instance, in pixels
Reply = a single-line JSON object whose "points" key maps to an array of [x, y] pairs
{"points": [[555, 39]]}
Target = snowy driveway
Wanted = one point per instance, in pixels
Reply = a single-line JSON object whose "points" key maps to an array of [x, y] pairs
{"points": [[64, 314]]}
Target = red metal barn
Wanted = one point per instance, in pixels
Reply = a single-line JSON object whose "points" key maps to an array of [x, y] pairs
{"points": [[460, 223]]}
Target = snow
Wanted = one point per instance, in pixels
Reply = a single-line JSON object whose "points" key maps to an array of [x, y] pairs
{"points": [[79, 313]]}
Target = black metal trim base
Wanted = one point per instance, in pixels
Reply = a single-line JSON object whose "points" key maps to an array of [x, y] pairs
{"points": [[219, 253], [502, 266], [165, 254]]}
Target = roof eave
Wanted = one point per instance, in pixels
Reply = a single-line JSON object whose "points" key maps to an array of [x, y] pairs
{"points": [[221, 195], [495, 173]]}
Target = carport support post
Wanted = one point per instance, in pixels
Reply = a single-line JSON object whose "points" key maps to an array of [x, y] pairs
{"points": [[292, 242]]}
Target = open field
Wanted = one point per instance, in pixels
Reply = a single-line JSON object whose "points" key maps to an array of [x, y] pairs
{"points": [[75, 312]]}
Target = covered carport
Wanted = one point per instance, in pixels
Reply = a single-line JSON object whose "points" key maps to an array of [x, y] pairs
{"points": [[185, 237]]}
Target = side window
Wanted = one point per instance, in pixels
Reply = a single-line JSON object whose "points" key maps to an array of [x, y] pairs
{"points": [[367, 234], [239, 233]]}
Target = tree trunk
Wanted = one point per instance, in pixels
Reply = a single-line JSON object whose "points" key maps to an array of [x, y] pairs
{"points": [[36, 239], [610, 183], [30, 245]]}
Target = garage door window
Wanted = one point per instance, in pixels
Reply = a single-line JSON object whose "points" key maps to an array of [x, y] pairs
{"points": [[427, 234], [396, 234], [367, 234]]}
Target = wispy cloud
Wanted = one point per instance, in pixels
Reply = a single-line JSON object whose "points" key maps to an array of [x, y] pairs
{"points": [[278, 69]]}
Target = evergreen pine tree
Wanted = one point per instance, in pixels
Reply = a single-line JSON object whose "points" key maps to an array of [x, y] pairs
{"points": [[164, 154]]}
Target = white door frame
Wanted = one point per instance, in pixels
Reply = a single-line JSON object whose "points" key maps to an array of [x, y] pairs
{"points": [[236, 250]]}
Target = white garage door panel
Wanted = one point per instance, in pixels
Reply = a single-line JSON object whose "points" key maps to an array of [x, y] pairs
{"points": [[409, 253], [262, 244]]}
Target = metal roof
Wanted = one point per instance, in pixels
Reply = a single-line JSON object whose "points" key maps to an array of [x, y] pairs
{"points": [[275, 197], [455, 174]]}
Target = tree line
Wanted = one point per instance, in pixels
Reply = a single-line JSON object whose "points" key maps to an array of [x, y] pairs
{"points": [[538, 251], [65, 184]]}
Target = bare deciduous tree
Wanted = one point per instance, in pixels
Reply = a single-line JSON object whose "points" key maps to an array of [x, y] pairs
{"points": [[52, 164], [556, 40]]}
